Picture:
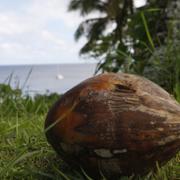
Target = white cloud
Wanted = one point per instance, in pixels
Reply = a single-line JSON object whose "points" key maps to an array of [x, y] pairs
{"points": [[9, 46], [36, 16], [39, 31], [54, 9], [11, 24], [46, 35], [59, 45]]}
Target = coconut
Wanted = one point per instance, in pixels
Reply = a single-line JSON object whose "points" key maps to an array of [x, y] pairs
{"points": [[116, 124]]}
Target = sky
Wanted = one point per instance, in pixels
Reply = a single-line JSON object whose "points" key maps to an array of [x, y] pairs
{"points": [[39, 32]]}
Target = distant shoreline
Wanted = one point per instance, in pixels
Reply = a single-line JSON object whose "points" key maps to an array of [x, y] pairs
{"points": [[42, 77], [46, 64]]}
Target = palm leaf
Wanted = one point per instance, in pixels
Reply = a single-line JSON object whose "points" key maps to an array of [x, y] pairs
{"points": [[91, 28], [86, 6]]}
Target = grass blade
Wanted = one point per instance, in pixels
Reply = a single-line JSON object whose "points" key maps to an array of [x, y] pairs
{"points": [[147, 30], [18, 159]]}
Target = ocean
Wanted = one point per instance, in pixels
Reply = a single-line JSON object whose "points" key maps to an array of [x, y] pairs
{"points": [[44, 79]]}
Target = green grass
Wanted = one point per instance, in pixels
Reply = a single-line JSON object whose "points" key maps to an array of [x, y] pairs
{"points": [[25, 153]]}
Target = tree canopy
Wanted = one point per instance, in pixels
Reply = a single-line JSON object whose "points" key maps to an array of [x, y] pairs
{"points": [[133, 39]]}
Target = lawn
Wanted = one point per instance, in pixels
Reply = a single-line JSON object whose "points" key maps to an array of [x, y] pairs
{"points": [[24, 151]]}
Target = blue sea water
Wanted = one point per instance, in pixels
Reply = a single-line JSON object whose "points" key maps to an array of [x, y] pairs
{"points": [[40, 79]]}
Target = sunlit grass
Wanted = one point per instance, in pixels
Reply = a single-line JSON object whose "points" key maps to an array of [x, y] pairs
{"points": [[25, 153]]}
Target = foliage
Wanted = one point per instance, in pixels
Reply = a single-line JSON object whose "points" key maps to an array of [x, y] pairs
{"points": [[121, 27], [164, 68], [13, 102], [143, 40]]}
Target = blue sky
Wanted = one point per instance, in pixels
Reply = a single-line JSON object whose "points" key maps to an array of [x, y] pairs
{"points": [[38, 31]]}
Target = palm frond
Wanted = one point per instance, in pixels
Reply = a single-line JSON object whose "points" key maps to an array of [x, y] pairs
{"points": [[79, 31], [91, 28], [86, 48], [86, 6], [97, 28]]}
